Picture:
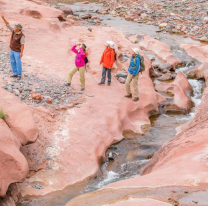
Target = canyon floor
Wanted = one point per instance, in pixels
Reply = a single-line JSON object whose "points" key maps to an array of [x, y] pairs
{"points": [[56, 141]]}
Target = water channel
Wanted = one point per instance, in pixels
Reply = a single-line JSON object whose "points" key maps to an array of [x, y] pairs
{"points": [[126, 158]]}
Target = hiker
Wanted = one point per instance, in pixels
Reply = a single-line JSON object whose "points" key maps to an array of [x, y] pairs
{"points": [[17, 47], [80, 64], [107, 59], [133, 74]]}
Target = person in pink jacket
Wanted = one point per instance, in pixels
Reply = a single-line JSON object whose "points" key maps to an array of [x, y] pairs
{"points": [[80, 59]]}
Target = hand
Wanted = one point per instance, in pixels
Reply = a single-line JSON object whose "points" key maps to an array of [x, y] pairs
{"points": [[78, 44], [2, 15], [21, 55]]}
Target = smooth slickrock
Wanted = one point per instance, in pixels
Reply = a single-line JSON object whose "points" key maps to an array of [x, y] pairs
{"points": [[179, 167], [166, 77], [199, 52], [13, 165], [39, 11], [137, 202], [20, 118], [75, 152], [133, 39], [180, 88], [161, 49]]}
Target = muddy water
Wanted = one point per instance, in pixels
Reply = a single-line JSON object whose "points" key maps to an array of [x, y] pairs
{"points": [[126, 158]]}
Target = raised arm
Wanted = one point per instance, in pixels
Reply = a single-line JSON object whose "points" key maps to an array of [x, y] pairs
{"points": [[74, 49], [6, 22]]}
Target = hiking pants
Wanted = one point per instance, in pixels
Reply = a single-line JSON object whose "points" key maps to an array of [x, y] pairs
{"points": [[135, 84], [104, 75], [81, 73], [16, 63]]}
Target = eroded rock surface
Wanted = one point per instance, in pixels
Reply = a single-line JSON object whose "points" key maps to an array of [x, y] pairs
{"points": [[18, 128]]}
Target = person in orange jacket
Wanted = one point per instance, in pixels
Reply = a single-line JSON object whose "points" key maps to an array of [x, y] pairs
{"points": [[107, 59]]}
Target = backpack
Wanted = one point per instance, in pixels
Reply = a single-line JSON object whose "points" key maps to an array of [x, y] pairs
{"points": [[115, 55], [86, 60], [142, 66]]}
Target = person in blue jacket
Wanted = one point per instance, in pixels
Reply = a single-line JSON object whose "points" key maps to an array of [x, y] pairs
{"points": [[133, 75]]}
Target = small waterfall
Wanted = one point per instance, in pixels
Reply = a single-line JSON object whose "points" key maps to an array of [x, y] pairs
{"points": [[197, 86]]}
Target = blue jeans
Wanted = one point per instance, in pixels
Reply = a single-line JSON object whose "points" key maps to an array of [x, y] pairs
{"points": [[16, 63]]}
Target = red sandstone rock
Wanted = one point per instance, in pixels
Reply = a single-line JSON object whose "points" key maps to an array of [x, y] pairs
{"points": [[66, 9], [37, 96], [14, 167], [49, 101], [199, 52], [180, 88], [161, 49], [123, 113], [20, 118], [20, 90], [165, 77], [138, 202]]}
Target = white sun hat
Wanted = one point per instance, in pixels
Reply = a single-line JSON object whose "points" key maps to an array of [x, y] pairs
{"points": [[111, 44], [136, 50]]}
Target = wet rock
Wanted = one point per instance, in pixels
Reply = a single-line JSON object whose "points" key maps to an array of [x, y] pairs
{"points": [[165, 77], [165, 67]]}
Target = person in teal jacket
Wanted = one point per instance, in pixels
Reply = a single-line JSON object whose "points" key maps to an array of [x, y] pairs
{"points": [[133, 75]]}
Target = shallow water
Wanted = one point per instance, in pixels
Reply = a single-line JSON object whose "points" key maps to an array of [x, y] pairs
{"points": [[129, 155]]}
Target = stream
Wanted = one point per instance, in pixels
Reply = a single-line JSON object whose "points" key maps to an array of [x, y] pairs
{"points": [[126, 159]]}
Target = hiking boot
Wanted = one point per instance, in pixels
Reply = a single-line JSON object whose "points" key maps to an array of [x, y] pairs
{"points": [[14, 75], [82, 89], [128, 96], [19, 78], [100, 83], [67, 84], [136, 99], [109, 84]]}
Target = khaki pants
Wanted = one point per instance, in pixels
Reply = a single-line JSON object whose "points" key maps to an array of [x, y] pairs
{"points": [[135, 84], [81, 73]]}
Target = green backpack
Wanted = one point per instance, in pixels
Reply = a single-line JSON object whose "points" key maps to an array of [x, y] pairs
{"points": [[142, 66]]}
